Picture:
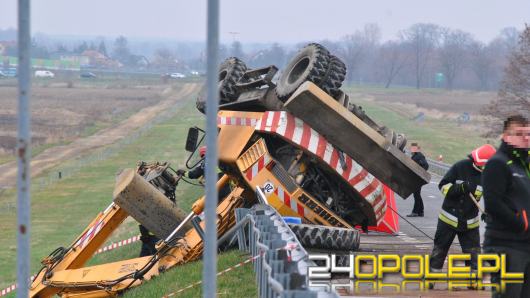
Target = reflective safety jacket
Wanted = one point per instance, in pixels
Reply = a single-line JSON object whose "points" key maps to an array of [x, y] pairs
{"points": [[458, 211]]}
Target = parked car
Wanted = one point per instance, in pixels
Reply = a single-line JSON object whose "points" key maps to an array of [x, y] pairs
{"points": [[2, 74], [177, 75], [10, 72], [44, 74], [88, 75]]}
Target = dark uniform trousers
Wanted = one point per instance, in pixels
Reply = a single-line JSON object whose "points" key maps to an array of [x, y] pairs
{"points": [[516, 261], [418, 203], [445, 234]]}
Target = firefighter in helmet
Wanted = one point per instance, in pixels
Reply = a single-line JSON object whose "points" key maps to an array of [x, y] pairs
{"points": [[459, 214]]}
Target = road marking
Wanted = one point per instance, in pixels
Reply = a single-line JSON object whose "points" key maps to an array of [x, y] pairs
{"points": [[406, 238], [423, 246]]}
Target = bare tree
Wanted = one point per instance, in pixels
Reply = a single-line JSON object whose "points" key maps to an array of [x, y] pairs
{"points": [[423, 38], [164, 58], [391, 59], [514, 94], [510, 37], [482, 63], [102, 48], [275, 55], [121, 50], [453, 53], [357, 46]]}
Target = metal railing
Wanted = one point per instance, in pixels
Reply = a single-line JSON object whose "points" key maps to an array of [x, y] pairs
{"points": [[281, 262], [438, 168]]}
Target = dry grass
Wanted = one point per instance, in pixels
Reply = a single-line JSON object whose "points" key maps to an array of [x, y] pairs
{"points": [[61, 114]]}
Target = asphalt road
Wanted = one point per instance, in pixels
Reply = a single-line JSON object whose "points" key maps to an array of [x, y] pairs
{"points": [[432, 200], [412, 241]]}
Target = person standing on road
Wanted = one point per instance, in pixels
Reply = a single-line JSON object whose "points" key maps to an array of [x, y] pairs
{"points": [[459, 214], [419, 158], [506, 181]]}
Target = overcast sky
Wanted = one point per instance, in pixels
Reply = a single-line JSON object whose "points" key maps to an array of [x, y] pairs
{"points": [[285, 21]]}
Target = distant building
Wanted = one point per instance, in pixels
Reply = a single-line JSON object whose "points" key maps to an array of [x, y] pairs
{"points": [[97, 59]]}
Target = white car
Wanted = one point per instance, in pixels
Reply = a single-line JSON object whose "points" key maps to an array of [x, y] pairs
{"points": [[44, 74], [177, 75]]}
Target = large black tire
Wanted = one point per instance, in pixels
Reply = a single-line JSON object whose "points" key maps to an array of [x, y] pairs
{"points": [[334, 77], [311, 63], [324, 237], [230, 72], [200, 103]]}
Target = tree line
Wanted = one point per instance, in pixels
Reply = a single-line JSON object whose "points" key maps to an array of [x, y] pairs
{"points": [[422, 56]]}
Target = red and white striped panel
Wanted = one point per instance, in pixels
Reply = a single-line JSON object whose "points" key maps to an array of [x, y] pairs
{"points": [[88, 235], [291, 203], [240, 121], [8, 290], [295, 130], [258, 166], [118, 244]]}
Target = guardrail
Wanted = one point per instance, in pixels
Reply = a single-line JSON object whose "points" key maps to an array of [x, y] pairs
{"points": [[437, 167], [281, 262]]}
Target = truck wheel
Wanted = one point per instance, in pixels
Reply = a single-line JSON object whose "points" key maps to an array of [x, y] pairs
{"points": [[334, 76], [309, 64], [230, 71], [324, 237], [200, 103]]}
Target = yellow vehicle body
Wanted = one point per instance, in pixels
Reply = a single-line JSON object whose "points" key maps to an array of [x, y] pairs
{"points": [[272, 150]]}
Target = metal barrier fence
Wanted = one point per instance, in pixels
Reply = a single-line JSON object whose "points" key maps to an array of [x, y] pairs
{"points": [[281, 271], [437, 167]]}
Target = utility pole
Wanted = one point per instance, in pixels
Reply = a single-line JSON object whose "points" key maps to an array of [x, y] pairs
{"points": [[209, 273], [23, 149]]}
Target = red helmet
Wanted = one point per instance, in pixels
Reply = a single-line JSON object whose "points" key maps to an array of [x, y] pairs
{"points": [[202, 151], [482, 154]]}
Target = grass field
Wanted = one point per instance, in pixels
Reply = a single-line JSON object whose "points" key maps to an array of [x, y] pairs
{"points": [[61, 114], [438, 134], [62, 210], [236, 283]]}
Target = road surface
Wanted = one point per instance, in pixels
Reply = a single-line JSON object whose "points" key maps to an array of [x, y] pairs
{"points": [[411, 241]]}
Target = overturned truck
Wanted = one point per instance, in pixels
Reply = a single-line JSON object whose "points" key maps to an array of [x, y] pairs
{"points": [[313, 153]]}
